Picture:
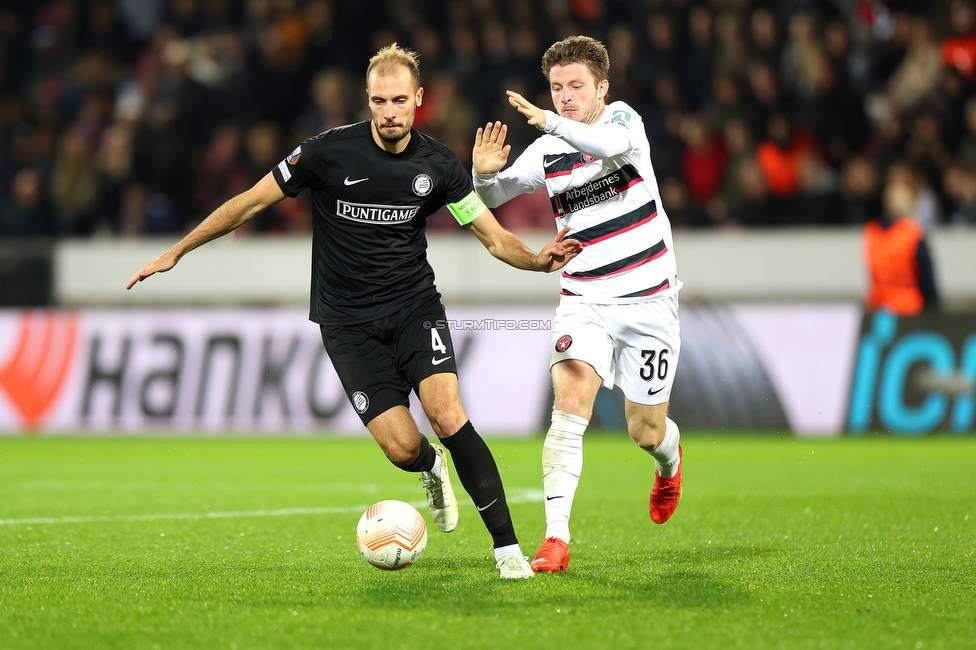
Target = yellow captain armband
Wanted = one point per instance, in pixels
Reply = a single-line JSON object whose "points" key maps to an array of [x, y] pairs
{"points": [[467, 209]]}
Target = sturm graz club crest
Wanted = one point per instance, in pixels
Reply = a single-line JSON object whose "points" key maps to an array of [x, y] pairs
{"points": [[563, 343], [422, 185], [294, 155], [360, 401]]}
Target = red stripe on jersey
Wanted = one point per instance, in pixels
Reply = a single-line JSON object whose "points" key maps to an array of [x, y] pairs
{"points": [[616, 232], [611, 269], [648, 292]]}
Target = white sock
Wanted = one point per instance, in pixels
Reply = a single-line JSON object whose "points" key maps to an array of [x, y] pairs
{"points": [[436, 469], [562, 464], [504, 551], [666, 458]]}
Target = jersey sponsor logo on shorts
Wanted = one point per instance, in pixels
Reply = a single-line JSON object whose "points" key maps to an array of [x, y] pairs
{"points": [[651, 391], [360, 401], [436, 362], [422, 185], [381, 214], [563, 343], [293, 157]]}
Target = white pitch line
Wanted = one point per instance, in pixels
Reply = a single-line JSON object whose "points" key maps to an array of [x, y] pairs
{"points": [[520, 496]]}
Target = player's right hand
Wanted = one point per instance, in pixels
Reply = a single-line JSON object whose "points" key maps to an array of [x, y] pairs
{"points": [[490, 151], [161, 264]]}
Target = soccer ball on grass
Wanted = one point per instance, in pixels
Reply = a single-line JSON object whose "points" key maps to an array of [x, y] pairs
{"points": [[391, 535]]}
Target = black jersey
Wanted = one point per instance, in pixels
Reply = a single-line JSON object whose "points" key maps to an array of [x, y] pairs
{"points": [[370, 209]]}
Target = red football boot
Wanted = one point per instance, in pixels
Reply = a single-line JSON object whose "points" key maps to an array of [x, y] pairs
{"points": [[665, 495], [553, 557]]}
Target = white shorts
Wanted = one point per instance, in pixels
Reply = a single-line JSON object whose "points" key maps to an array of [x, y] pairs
{"points": [[632, 345]]}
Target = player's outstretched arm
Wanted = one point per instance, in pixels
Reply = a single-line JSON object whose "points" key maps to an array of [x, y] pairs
{"points": [[599, 140], [535, 115], [490, 151], [508, 248], [229, 216]]}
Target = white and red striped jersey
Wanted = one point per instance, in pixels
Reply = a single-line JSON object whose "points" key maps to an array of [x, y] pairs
{"points": [[602, 185]]}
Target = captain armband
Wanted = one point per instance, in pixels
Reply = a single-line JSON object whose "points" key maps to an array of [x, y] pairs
{"points": [[467, 209]]}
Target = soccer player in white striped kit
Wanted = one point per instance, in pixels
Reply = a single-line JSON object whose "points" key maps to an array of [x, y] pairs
{"points": [[617, 320]]}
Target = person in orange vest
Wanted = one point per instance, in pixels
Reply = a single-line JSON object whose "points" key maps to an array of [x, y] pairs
{"points": [[901, 278]]}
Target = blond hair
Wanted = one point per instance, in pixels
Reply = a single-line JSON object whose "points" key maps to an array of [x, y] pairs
{"points": [[578, 49], [392, 57]]}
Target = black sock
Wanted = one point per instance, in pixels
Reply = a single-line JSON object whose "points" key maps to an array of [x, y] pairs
{"points": [[425, 459], [478, 473]]}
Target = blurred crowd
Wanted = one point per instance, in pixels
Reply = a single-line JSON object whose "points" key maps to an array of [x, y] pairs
{"points": [[141, 116]]}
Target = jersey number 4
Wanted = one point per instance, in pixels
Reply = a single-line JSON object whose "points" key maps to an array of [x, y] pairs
{"points": [[436, 343]]}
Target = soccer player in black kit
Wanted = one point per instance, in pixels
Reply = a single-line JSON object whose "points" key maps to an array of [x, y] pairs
{"points": [[373, 184]]}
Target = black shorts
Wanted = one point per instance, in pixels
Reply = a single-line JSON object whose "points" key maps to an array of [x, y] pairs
{"points": [[381, 361]]}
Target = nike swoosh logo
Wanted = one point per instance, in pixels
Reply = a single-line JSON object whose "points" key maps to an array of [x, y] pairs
{"points": [[651, 391], [358, 180], [438, 362], [551, 162], [555, 497], [480, 509]]}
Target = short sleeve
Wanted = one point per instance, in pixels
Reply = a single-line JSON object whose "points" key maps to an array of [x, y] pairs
{"points": [[459, 183], [296, 172]]}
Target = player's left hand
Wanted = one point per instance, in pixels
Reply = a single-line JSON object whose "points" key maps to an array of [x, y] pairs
{"points": [[557, 253], [533, 113]]}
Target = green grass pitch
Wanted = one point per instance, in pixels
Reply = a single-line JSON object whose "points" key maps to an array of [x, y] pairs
{"points": [[235, 543]]}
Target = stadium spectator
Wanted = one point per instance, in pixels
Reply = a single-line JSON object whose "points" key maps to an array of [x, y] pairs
{"points": [[724, 103], [966, 149], [960, 187], [698, 58], [819, 200], [683, 212], [27, 212], [740, 148], [958, 49], [925, 208], [114, 160], [74, 184], [731, 49], [899, 266], [703, 160], [165, 70], [860, 187], [925, 147], [919, 72], [334, 102], [804, 58], [764, 33], [780, 154], [835, 114], [756, 206], [765, 95]]}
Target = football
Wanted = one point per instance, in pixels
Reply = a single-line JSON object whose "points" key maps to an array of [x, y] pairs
{"points": [[391, 535]]}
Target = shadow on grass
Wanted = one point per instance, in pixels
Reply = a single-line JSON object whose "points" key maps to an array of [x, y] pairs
{"points": [[698, 579]]}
